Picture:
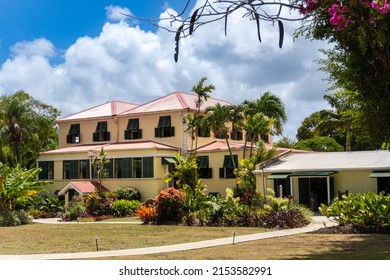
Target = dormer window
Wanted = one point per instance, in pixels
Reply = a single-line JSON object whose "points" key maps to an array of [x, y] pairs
{"points": [[164, 128], [101, 133], [132, 130], [73, 136]]}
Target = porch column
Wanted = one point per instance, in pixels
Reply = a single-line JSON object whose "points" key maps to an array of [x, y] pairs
{"points": [[328, 188], [291, 187]]}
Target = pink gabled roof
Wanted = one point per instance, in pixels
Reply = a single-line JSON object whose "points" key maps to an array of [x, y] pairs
{"points": [[108, 109], [175, 101], [124, 146], [82, 187]]}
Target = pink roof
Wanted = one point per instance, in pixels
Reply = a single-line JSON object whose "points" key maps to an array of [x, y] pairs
{"points": [[108, 109], [139, 145], [83, 187], [174, 101], [221, 146]]}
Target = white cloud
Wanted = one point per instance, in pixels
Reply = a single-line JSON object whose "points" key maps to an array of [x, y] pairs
{"points": [[117, 13], [129, 64]]}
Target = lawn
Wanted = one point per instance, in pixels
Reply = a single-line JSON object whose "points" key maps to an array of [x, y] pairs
{"points": [[70, 238], [61, 238]]}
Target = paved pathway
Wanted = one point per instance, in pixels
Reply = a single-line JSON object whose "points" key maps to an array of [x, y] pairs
{"points": [[318, 222]]}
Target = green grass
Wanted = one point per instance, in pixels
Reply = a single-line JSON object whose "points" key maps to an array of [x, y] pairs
{"points": [[66, 238], [69, 238]]}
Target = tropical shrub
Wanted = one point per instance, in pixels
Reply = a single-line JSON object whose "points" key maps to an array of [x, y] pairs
{"points": [[75, 210], [284, 218], [169, 205], [128, 193], [14, 218], [41, 206], [16, 183], [99, 203], [147, 214], [123, 207], [364, 211]]}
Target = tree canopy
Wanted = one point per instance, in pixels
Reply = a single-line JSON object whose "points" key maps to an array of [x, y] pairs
{"points": [[358, 30], [27, 127]]}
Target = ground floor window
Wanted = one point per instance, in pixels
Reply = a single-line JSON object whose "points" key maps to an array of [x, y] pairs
{"points": [[140, 167], [47, 170]]}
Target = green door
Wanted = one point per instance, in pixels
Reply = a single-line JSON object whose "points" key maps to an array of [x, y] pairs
{"points": [[304, 191]]}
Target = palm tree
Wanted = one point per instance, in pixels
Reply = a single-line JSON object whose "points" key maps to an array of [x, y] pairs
{"points": [[257, 125], [202, 91], [216, 119], [342, 117], [271, 107]]}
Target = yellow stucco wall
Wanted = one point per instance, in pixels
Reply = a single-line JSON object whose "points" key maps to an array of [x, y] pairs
{"points": [[354, 181]]}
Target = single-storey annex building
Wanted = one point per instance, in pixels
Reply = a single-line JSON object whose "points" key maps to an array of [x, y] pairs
{"points": [[316, 177]]}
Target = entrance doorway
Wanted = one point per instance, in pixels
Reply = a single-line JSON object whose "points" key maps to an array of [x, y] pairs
{"points": [[384, 185], [314, 191]]}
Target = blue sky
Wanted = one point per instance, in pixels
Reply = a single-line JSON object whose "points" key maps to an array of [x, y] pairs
{"points": [[78, 54]]}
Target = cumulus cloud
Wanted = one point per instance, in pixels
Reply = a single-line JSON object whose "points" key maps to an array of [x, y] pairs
{"points": [[129, 64], [117, 13]]}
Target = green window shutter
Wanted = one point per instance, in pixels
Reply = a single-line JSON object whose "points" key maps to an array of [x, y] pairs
{"points": [[227, 161], [203, 162], [147, 167], [164, 121], [101, 127], [133, 124]]}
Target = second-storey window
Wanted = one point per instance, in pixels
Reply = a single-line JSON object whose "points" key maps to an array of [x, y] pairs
{"points": [[132, 130], [73, 134], [164, 128], [203, 167], [227, 169], [101, 133]]}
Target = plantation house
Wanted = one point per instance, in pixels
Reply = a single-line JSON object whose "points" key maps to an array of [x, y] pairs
{"points": [[140, 142], [316, 177]]}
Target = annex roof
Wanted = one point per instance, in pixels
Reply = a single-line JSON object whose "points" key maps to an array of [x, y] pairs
{"points": [[319, 161], [139, 145], [220, 145], [83, 187], [108, 109], [174, 101]]}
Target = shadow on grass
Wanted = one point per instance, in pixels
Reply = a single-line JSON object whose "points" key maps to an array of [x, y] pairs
{"points": [[346, 247]]}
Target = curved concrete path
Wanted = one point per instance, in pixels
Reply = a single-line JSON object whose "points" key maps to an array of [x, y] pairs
{"points": [[318, 222]]}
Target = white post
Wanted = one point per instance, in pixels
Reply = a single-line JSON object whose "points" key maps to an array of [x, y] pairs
{"points": [[328, 188]]}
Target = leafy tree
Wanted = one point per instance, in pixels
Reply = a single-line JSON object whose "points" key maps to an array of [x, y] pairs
{"points": [[360, 59], [306, 130], [284, 142], [18, 182], [320, 144], [27, 127]]}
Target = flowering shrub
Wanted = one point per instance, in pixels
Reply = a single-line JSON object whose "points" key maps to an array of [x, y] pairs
{"points": [[169, 205], [146, 214], [341, 13]]}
